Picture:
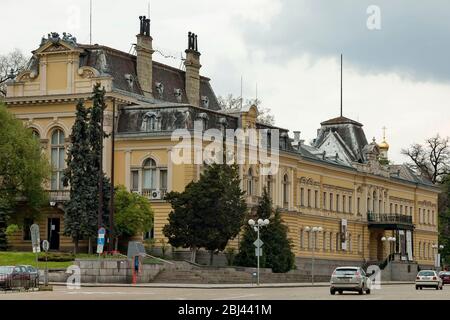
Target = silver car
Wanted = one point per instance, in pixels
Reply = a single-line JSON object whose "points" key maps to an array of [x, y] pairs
{"points": [[428, 279], [349, 279]]}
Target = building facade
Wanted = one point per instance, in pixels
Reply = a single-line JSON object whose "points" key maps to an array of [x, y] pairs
{"points": [[337, 183]]}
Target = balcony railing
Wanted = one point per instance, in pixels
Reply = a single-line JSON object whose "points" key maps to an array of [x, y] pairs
{"points": [[388, 218], [58, 195], [152, 194]]}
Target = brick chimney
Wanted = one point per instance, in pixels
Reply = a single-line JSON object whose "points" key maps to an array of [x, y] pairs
{"points": [[144, 60], [192, 64]]}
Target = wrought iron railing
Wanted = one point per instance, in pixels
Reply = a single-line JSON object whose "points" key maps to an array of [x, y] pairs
{"points": [[153, 194], [58, 195], [389, 218]]}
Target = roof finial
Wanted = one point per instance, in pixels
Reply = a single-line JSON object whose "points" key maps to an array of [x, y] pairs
{"points": [[384, 133]]}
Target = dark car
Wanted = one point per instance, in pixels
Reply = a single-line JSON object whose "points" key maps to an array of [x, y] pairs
{"points": [[20, 278], [34, 275], [445, 276], [6, 273]]}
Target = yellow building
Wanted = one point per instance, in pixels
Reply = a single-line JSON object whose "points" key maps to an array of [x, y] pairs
{"points": [[337, 183]]}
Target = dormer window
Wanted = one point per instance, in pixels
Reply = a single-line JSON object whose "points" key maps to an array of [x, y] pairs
{"points": [[203, 117], [150, 122], [129, 79], [205, 102], [159, 89], [178, 93]]}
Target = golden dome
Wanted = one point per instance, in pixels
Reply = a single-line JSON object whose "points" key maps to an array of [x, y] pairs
{"points": [[384, 145]]}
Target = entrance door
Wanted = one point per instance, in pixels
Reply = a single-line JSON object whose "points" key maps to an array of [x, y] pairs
{"points": [[53, 233]]}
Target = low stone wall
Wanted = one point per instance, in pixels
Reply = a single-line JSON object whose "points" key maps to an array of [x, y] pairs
{"points": [[115, 271]]}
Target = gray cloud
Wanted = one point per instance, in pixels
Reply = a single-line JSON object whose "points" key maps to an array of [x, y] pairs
{"points": [[413, 40]]}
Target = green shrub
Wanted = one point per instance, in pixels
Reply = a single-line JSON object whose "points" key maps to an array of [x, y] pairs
{"points": [[57, 257]]}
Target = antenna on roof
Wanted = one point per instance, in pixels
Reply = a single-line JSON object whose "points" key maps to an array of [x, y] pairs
{"points": [[341, 84], [90, 22]]}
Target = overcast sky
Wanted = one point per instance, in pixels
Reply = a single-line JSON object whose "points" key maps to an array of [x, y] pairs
{"points": [[397, 76]]}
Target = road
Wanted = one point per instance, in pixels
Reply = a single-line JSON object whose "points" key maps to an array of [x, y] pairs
{"points": [[387, 292]]}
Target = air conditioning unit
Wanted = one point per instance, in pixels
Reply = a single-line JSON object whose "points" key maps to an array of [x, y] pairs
{"points": [[155, 195]]}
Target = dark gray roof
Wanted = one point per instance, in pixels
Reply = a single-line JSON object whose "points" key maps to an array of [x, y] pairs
{"points": [[349, 131], [119, 64]]}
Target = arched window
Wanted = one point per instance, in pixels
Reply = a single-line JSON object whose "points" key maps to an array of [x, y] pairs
{"points": [[250, 187], [35, 134], [57, 159], [148, 175], [286, 190]]}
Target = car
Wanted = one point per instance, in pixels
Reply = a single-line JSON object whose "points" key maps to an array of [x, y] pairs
{"points": [[428, 279], [6, 273], [34, 275], [445, 276], [350, 279]]}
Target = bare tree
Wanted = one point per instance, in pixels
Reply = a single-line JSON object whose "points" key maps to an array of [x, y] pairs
{"points": [[10, 64], [431, 160], [231, 102]]}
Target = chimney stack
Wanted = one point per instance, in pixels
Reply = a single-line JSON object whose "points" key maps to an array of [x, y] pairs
{"points": [[192, 64], [144, 62], [296, 136]]}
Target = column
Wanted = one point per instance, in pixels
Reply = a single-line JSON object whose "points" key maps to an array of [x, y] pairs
{"points": [[127, 169]]}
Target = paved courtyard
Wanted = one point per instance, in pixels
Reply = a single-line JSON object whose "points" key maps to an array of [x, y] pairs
{"points": [[387, 292]]}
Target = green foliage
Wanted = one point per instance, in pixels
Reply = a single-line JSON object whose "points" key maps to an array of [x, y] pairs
{"points": [[209, 212], [277, 248], [75, 219], [23, 169], [133, 213], [11, 229], [56, 256], [230, 255]]}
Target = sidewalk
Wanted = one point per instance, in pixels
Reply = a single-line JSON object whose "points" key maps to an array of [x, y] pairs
{"points": [[217, 286]]}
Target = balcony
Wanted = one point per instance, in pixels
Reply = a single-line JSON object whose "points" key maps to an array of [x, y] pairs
{"points": [[152, 194], [389, 221], [58, 195]]}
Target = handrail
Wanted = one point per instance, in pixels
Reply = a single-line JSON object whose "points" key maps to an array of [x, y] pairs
{"points": [[388, 218]]}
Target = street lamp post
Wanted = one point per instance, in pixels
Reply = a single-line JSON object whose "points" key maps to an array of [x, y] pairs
{"points": [[314, 231], [256, 226]]}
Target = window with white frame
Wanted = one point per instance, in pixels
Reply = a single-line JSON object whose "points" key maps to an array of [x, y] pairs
{"points": [[286, 190], [57, 159]]}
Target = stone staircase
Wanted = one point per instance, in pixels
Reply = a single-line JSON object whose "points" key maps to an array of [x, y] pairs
{"points": [[194, 274]]}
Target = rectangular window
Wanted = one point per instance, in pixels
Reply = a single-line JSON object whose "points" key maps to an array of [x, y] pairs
{"points": [[316, 199], [420, 216], [350, 209], [27, 222], [134, 180], [401, 209], [358, 203], [338, 209], [390, 208], [302, 197], [309, 198], [324, 201], [396, 208], [331, 202], [344, 204], [163, 179]]}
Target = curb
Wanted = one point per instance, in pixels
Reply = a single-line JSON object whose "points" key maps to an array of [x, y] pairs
{"points": [[213, 286]]}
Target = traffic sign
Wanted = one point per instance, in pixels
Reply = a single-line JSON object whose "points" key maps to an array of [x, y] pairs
{"points": [[258, 243], [45, 245], [101, 240], [258, 252]]}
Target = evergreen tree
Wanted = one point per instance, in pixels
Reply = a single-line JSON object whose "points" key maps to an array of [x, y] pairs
{"points": [[208, 213], [277, 248], [95, 138], [76, 175]]}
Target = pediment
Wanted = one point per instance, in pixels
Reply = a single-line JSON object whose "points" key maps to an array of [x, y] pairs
{"points": [[56, 45]]}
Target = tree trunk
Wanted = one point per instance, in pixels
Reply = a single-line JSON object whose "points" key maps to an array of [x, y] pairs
{"points": [[75, 245], [211, 257], [193, 254], [90, 246], [116, 243]]}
